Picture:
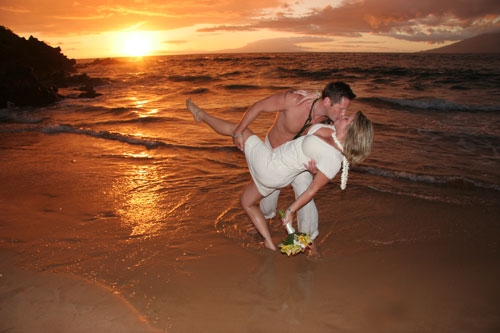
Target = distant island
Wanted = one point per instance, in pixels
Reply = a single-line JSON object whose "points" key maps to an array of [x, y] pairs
{"points": [[485, 43], [32, 71]]}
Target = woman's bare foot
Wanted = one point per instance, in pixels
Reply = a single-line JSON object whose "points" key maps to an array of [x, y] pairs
{"points": [[195, 110], [269, 245]]}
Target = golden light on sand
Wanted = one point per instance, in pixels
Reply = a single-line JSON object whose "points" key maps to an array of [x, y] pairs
{"points": [[134, 43]]}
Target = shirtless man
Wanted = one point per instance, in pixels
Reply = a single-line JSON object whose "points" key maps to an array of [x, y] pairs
{"points": [[294, 117]]}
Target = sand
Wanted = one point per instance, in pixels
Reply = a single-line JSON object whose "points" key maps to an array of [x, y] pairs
{"points": [[396, 265], [48, 302]]}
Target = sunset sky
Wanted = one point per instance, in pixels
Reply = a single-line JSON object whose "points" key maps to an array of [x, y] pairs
{"points": [[109, 28]]}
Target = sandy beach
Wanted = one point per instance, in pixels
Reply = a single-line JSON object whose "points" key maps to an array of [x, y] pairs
{"points": [[398, 265]]}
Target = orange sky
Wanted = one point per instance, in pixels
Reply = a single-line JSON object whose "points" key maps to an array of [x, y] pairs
{"points": [[106, 28]]}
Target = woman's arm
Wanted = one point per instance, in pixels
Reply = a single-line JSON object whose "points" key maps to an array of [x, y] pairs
{"points": [[318, 182]]}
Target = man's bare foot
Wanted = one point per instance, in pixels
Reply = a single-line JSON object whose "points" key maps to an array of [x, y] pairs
{"points": [[314, 250], [195, 110]]}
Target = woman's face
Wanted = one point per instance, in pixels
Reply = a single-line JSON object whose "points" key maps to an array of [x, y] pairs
{"points": [[342, 124]]}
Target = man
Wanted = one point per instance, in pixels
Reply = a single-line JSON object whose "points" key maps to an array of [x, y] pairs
{"points": [[295, 116]]}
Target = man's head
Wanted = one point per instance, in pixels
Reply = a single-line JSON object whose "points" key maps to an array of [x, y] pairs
{"points": [[336, 90], [336, 98]]}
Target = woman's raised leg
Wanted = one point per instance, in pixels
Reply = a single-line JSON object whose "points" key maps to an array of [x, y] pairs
{"points": [[219, 125], [249, 200]]}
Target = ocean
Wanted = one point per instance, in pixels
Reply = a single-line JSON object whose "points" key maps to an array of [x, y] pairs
{"points": [[86, 183]]}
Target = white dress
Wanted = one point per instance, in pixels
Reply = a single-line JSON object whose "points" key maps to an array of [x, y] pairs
{"points": [[275, 169]]}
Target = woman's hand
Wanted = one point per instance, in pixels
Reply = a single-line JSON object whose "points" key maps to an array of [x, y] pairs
{"points": [[307, 95], [239, 142], [288, 217]]}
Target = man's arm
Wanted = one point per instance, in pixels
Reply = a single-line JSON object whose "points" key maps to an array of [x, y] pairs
{"points": [[311, 167], [273, 103]]}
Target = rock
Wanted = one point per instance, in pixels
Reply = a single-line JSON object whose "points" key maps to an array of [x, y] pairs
{"points": [[82, 80], [88, 92], [31, 72], [20, 86]]}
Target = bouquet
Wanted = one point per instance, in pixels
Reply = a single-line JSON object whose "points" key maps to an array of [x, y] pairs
{"points": [[295, 242]]}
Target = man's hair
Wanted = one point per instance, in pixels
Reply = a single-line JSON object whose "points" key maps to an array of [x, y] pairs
{"points": [[336, 90], [359, 139]]}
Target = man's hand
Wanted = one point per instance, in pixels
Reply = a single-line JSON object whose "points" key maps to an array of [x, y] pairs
{"points": [[311, 167], [238, 142]]}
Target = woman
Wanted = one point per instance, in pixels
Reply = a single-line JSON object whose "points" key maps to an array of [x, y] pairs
{"points": [[348, 140]]}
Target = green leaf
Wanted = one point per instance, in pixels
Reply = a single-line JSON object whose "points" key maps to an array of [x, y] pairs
{"points": [[288, 240]]}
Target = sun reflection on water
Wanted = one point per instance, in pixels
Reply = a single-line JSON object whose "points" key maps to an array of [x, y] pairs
{"points": [[139, 204], [140, 103]]}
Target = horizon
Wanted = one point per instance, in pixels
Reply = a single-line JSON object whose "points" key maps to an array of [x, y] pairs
{"points": [[232, 53], [89, 30]]}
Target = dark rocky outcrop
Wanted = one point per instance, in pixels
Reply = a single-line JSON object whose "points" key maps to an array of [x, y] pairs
{"points": [[31, 72]]}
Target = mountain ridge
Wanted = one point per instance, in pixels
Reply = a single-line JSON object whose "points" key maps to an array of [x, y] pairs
{"points": [[484, 43]]}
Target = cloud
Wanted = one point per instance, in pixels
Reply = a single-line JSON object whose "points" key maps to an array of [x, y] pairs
{"points": [[175, 41], [290, 44], [423, 20], [94, 16]]}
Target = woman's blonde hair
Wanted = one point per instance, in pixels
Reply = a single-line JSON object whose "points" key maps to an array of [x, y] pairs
{"points": [[359, 139]]}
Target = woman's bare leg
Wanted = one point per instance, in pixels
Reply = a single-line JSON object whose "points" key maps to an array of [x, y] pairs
{"points": [[249, 200], [219, 125]]}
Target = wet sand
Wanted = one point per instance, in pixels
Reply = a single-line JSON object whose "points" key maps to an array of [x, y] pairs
{"points": [[49, 302], [390, 264]]}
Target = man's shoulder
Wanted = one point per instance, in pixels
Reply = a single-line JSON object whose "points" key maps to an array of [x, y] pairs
{"points": [[294, 101], [292, 96]]}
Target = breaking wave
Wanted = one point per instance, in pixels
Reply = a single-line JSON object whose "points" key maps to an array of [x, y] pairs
{"points": [[452, 181], [430, 103], [149, 143]]}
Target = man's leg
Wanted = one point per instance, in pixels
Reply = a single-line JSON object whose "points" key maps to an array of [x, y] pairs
{"points": [[269, 204], [307, 216]]}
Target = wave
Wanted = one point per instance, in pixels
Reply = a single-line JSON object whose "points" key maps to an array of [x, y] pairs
{"points": [[379, 74], [196, 91], [234, 73], [430, 103], [241, 86], [325, 74], [21, 117], [452, 181], [89, 108], [120, 110], [129, 157], [191, 78], [148, 143], [254, 87], [54, 129], [141, 120]]}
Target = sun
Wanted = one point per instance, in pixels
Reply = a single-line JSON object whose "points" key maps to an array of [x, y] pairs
{"points": [[135, 44]]}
